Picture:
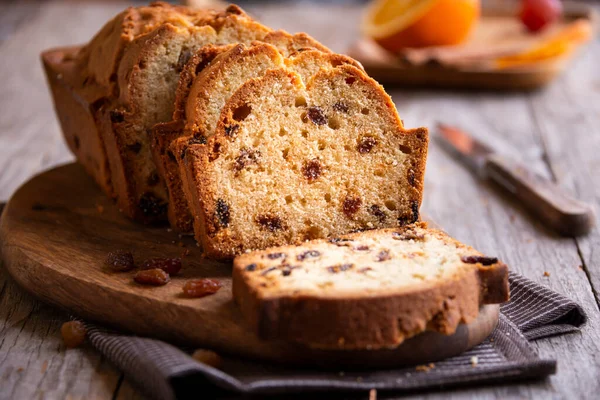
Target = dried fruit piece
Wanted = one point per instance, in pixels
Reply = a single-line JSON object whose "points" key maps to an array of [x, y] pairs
{"points": [[117, 116], [479, 260], [308, 254], [366, 144], [270, 222], [222, 213], [207, 357], [231, 130], [339, 268], [170, 265], [312, 170], [198, 138], [383, 255], [351, 205], [201, 287], [341, 106], [151, 205], [245, 158], [377, 212], [275, 256], [153, 277], [73, 333], [251, 267], [316, 115], [362, 247], [120, 261]]}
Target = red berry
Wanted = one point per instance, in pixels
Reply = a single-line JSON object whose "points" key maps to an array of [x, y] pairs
{"points": [[536, 14]]}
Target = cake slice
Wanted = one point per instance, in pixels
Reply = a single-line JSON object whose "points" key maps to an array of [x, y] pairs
{"points": [[212, 87], [290, 162], [366, 290], [147, 80]]}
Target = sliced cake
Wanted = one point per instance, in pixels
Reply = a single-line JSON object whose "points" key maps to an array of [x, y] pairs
{"points": [[366, 290], [83, 78], [209, 92], [290, 162], [147, 79]]}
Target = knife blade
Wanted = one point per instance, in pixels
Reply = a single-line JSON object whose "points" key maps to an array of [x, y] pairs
{"points": [[541, 197]]}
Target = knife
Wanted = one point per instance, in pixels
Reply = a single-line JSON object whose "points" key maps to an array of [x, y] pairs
{"points": [[541, 197]]}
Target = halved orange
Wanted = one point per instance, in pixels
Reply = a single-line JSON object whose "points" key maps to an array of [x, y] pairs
{"points": [[397, 24]]}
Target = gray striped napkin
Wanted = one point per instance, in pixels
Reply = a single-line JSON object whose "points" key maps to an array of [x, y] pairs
{"points": [[163, 371]]}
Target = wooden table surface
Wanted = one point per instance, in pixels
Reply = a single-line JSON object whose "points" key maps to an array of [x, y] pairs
{"points": [[556, 131]]}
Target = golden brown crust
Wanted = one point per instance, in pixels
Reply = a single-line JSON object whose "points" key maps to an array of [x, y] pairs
{"points": [[76, 106], [367, 321], [288, 44], [99, 60], [224, 243]]}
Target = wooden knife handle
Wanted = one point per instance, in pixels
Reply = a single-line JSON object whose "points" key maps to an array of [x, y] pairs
{"points": [[548, 202]]}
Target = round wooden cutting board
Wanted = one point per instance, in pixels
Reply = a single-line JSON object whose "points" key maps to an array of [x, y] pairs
{"points": [[58, 228]]}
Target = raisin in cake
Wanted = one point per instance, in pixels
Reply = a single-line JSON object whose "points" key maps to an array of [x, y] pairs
{"points": [[147, 78], [366, 290], [212, 88], [290, 162]]}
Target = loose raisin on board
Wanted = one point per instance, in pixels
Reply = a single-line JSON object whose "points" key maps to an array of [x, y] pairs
{"points": [[120, 261], [201, 287], [170, 265], [479, 260], [207, 357], [153, 277], [73, 333]]}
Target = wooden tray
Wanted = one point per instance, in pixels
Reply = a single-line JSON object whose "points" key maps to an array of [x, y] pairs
{"points": [[58, 228], [460, 67]]}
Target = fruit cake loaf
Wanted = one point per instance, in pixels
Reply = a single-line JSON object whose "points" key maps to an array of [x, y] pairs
{"points": [[290, 162], [81, 79], [148, 75], [366, 290], [209, 93]]}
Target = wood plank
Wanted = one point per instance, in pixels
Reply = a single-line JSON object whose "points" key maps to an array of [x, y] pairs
{"points": [[568, 117], [33, 359]]}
